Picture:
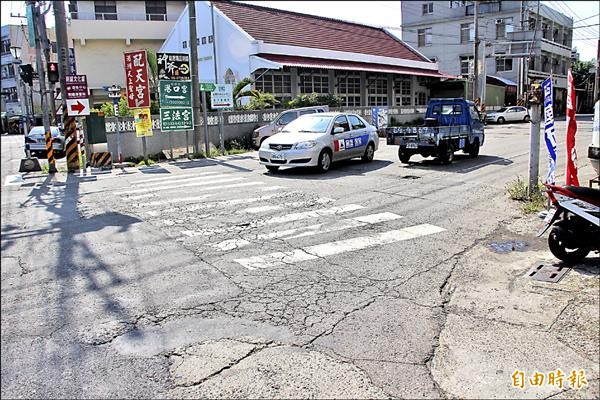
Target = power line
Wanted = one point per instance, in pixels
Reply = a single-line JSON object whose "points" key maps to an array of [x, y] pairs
{"points": [[585, 26], [595, 15]]}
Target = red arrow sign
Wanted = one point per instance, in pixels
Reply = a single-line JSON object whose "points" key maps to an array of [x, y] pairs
{"points": [[77, 107]]}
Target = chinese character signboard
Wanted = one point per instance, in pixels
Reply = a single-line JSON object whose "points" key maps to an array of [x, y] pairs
{"points": [[76, 87], [222, 96], [173, 66], [136, 76], [176, 119], [207, 86], [175, 93], [143, 122]]}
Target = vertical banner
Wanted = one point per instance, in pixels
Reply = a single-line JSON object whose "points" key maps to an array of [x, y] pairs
{"points": [[549, 133], [143, 122], [571, 177], [136, 77]]}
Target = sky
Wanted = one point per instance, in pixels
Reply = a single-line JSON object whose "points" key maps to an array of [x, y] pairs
{"points": [[387, 14]]}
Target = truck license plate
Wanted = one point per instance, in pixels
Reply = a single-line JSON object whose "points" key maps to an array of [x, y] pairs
{"points": [[412, 145], [277, 156]]}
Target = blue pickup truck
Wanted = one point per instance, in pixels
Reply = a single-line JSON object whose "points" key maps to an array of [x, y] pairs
{"points": [[450, 124]]}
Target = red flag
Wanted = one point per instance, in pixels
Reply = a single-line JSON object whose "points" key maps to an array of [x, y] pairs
{"points": [[571, 178]]}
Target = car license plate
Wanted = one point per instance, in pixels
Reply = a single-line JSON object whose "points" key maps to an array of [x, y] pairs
{"points": [[412, 145], [550, 215], [277, 156]]}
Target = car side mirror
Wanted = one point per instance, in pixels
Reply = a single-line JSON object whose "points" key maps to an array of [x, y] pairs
{"points": [[338, 129]]}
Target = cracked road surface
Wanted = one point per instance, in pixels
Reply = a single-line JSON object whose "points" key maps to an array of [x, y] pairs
{"points": [[215, 279]]}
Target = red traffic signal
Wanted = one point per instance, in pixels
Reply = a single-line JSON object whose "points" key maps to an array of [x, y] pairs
{"points": [[53, 72]]}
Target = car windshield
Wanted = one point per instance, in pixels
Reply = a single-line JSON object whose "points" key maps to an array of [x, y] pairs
{"points": [[503, 109], [39, 130], [309, 123]]}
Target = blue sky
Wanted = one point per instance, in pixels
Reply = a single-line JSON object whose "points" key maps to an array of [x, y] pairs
{"points": [[387, 13]]}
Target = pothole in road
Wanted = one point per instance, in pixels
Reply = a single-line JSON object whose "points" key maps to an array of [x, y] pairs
{"points": [[508, 246]]}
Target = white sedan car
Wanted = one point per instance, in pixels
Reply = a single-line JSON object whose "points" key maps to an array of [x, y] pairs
{"points": [[317, 140], [508, 114]]}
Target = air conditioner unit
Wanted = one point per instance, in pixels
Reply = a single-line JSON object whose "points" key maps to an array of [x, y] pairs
{"points": [[499, 21]]}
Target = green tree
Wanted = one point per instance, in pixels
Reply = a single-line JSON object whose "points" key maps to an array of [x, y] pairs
{"points": [[262, 101], [315, 99], [581, 72], [152, 70]]}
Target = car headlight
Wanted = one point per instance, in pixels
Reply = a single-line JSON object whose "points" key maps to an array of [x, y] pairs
{"points": [[305, 145], [255, 134]]}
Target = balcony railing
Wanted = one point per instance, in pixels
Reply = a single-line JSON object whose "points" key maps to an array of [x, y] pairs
{"points": [[120, 16]]}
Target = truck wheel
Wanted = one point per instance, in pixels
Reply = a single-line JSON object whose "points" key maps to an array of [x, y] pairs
{"points": [[403, 156], [474, 149], [446, 153]]}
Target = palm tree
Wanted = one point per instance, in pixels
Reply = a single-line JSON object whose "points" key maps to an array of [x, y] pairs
{"points": [[239, 92]]}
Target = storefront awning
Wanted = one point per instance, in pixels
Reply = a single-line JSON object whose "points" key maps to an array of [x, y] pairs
{"points": [[507, 82], [309, 62]]}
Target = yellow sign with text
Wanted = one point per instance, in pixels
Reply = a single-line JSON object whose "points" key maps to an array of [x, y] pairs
{"points": [[143, 122]]}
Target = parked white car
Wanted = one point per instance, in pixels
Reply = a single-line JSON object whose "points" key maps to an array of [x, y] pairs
{"points": [[262, 133], [35, 141], [317, 140], [508, 114]]}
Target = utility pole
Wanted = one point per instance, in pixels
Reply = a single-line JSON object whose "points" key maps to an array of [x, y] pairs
{"points": [[64, 69], [597, 82], [212, 15], [194, 66], [46, 47], [535, 100], [475, 52], [520, 66], [37, 25]]}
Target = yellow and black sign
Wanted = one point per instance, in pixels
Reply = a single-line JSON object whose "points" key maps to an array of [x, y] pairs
{"points": [[101, 160]]}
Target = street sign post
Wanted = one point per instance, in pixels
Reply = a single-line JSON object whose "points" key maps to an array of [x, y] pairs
{"points": [[114, 92], [78, 107], [76, 87], [175, 93], [207, 86], [222, 96], [176, 119], [173, 66]]}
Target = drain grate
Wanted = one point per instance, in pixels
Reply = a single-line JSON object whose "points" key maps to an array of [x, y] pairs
{"points": [[547, 273]]}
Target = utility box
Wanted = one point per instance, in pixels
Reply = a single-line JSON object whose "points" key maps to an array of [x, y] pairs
{"points": [[95, 128], [95, 133]]}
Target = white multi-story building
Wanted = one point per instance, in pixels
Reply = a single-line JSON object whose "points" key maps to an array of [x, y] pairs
{"points": [[444, 32], [103, 30]]}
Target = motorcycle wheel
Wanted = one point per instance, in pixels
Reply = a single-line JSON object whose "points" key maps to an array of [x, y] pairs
{"points": [[561, 252]]}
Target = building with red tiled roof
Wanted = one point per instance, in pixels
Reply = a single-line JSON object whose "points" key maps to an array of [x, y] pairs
{"points": [[289, 54]]}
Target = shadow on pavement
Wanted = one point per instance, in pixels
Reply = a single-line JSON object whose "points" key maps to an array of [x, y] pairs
{"points": [[338, 169], [462, 163]]}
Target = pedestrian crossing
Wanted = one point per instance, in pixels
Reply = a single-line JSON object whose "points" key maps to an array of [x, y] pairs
{"points": [[244, 220]]}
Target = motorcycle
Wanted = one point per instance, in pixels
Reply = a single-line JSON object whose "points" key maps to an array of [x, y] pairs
{"points": [[575, 221]]}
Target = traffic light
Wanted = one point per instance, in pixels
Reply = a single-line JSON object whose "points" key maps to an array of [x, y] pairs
{"points": [[53, 72], [26, 72]]}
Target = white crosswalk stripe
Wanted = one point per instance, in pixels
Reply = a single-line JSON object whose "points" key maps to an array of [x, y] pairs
{"points": [[310, 230], [337, 247], [204, 181]]}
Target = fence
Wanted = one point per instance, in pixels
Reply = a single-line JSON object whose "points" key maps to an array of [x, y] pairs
{"points": [[236, 125]]}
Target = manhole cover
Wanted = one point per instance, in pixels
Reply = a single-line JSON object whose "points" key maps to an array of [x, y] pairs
{"points": [[410, 177], [507, 247], [547, 273]]}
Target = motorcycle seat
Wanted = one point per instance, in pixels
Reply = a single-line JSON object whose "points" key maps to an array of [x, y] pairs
{"points": [[588, 193]]}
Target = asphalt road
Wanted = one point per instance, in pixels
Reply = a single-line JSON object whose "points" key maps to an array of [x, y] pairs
{"points": [[217, 279]]}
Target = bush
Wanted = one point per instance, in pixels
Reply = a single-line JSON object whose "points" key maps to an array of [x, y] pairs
{"points": [[315, 99], [243, 143], [262, 101], [517, 190]]}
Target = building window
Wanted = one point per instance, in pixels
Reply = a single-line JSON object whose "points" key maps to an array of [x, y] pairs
{"points": [[5, 46], [210, 38], [203, 39], [8, 71], [278, 83], [377, 90], [105, 10], [467, 32], [427, 8], [73, 9], [420, 99], [156, 10], [457, 4], [503, 64], [184, 44], [503, 27], [424, 37], [563, 67], [402, 91], [466, 65], [314, 81], [10, 94], [348, 89]]}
